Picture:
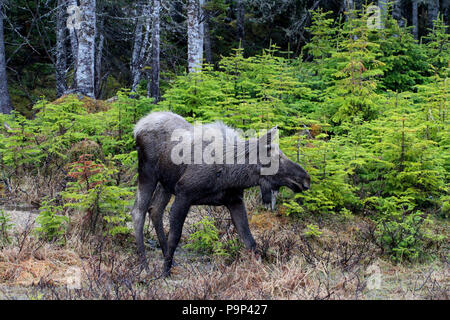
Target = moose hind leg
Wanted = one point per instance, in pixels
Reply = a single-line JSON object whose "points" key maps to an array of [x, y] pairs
{"points": [[240, 221], [178, 213], [159, 202], [146, 186]]}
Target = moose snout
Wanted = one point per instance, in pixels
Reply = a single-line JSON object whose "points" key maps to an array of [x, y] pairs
{"points": [[306, 182]]}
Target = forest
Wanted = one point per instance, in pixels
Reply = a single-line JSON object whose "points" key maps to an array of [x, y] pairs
{"points": [[357, 89]]}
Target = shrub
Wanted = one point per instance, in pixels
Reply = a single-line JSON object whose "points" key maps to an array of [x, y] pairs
{"points": [[313, 231], [52, 224], [205, 239], [5, 227], [402, 232], [94, 193]]}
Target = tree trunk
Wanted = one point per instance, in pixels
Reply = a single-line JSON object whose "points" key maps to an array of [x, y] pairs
{"points": [[5, 100], [195, 37], [415, 18], [397, 13], [433, 11], [98, 65], [73, 34], [98, 60], [155, 50], [136, 54], [61, 59], [240, 23], [207, 38], [86, 49], [347, 7]]}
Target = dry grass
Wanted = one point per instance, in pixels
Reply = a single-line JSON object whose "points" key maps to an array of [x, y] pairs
{"points": [[338, 265]]}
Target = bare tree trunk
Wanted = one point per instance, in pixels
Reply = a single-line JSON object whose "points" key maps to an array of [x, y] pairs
{"points": [[141, 44], [433, 11], [195, 36], [135, 56], [348, 6], [86, 49], [98, 59], [5, 100], [397, 13], [201, 30], [240, 23], [61, 58], [73, 34], [207, 38], [415, 18], [155, 50]]}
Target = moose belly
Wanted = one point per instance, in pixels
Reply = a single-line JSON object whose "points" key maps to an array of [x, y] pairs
{"points": [[218, 199]]}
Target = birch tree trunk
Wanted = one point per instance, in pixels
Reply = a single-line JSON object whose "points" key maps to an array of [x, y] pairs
{"points": [[141, 44], [135, 56], [415, 18], [155, 50], [201, 31], [61, 58], [86, 49], [5, 100], [195, 36]]}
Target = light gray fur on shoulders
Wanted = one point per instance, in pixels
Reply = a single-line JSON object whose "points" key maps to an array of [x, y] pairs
{"points": [[153, 120], [166, 121], [228, 133]]}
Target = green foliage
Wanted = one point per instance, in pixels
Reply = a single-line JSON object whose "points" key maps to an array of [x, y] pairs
{"points": [[205, 239], [401, 231], [52, 222], [5, 227], [93, 192], [249, 93], [44, 146], [329, 164], [313, 231], [352, 95], [405, 61], [438, 45]]}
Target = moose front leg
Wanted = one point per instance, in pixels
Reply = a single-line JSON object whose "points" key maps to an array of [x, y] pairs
{"points": [[178, 213], [240, 221]]}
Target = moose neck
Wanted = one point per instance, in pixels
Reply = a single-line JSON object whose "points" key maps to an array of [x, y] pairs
{"points": [[241, 176]]}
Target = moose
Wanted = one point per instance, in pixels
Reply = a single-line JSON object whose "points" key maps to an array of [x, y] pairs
{"points": [[161, 174]]}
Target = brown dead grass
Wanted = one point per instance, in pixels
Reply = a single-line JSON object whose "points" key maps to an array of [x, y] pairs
{"points": [[267, 221], [288, 265], [35, 261], [90, 104]]}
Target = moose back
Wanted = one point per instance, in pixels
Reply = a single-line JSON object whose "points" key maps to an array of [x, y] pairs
{"points": [[203, 165]]}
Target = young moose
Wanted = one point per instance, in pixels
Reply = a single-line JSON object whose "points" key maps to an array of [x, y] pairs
{"points": [[162, 174]]}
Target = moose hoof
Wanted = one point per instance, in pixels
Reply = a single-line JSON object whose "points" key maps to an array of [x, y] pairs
{"points": [[167, 268]]}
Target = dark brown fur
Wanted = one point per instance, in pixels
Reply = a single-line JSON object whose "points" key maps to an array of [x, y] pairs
{"points": [[197, 184]]}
